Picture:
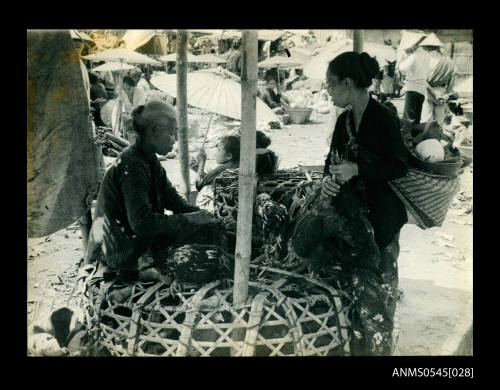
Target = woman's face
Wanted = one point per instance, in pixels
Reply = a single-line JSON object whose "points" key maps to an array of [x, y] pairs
{"points": [[271, 84], [164, 136], [221, 156], [338, 90]]}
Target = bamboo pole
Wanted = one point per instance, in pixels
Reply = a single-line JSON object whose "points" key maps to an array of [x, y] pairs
{"points": [[357, 41], [182, 129], [246, 179]]}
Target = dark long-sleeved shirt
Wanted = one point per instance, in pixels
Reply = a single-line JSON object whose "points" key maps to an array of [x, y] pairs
{"points": [[271, 98], [378, 134], [130, 209]]}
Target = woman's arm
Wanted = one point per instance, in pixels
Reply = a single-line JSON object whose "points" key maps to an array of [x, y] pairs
{"points": [[171, 200], [135, 183], [209, 177]]}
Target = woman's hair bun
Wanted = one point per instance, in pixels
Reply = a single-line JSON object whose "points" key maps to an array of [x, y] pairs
{"points": [[369, 65]]}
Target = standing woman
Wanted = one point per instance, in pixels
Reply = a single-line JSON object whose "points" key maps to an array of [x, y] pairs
{"points": [[367, 148], [130, 97]]}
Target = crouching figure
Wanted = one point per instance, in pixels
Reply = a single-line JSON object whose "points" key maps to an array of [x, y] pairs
{"points": [[130, 219]]}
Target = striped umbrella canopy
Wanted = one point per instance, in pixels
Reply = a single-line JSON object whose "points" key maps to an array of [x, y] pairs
{"points": [[122, 55], [112, 66], [317, 66], [214, 91]]}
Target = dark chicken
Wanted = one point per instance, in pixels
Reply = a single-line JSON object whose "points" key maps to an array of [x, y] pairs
{"points": [[272, 218], [198, 264], [335, 231]]}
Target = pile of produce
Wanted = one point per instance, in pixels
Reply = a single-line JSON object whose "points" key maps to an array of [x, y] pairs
{"points": [[432, 143], [300, 98], [303, 98], [112, 145]]}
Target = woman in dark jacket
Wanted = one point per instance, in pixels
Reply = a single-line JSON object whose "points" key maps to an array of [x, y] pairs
{"points": [[130, 217], [367, 148]]}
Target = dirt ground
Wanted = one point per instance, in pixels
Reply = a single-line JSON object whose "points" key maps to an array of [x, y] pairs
{"points": [[435, 265]]}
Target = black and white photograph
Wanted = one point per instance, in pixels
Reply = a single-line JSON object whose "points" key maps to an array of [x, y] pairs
{"points": [[249, 192]]}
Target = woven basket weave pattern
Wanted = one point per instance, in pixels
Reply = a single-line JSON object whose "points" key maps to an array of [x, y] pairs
{"points": [[426, 196], [279, 319]]}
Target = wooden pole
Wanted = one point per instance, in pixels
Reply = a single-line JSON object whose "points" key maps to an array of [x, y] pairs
{"points": [[357, 41], [182, 128], [206, 131], [247, 179]]}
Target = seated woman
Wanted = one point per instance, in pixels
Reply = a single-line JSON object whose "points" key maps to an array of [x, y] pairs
{"points": [[130, 218], [266, 160], [273, 98]]}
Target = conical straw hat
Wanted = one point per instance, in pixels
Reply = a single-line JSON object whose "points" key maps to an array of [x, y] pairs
{"points": [[431, 40]]}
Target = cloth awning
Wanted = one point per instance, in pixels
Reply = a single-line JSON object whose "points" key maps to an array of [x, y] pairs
{"points": [[81, 35], [64, 163], [137, 38]]}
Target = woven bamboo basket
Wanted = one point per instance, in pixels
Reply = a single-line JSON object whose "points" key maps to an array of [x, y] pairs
{"points": [[278, 185], [286, 314]]}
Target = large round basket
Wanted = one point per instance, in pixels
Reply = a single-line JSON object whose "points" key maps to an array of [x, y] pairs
{"points": [[285, 314], [448, 167]]}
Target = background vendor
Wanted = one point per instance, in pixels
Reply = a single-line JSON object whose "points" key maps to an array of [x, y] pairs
{"points": [[273, 98]]}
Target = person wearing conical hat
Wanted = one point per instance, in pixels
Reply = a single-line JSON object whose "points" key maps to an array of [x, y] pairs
{"points": [[415, 64], [439, 81]]}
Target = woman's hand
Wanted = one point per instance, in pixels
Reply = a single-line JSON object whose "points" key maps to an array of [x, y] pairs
{"points": [[329, 187], [344, 171]]}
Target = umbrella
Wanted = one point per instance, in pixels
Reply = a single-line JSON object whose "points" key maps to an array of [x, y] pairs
{"points": [[263, 35], [279, 61], [173, 58], [112, 66], [210, 58], [317, 66], [214, 91], [121, 55]]}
